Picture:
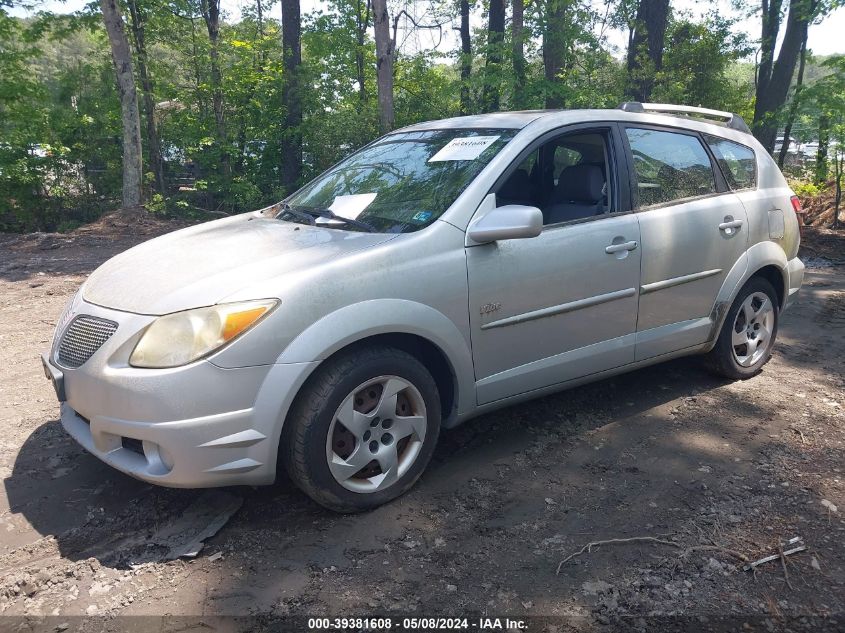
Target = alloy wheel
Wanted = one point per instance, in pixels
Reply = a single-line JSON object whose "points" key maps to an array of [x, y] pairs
{"points": [[752, 329]]}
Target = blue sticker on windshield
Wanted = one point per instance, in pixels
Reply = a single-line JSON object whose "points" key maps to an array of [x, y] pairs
{"points": [[421, 216]]}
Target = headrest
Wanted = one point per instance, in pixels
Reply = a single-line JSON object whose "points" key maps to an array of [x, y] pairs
{"points": [[579, 183], [517, 186]]}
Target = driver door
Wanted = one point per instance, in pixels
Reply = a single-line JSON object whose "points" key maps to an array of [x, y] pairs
{"points": [[561, 305]]}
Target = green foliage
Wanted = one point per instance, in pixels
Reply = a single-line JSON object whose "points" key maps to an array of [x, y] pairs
{"points": [[59, 122], [698, 60], [823, 115], [60, 132], [805, 188]]}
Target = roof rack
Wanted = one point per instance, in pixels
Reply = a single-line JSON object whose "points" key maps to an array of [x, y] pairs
{"points": [[731, 120]]}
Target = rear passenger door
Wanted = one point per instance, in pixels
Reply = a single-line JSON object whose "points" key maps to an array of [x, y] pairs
{"points": [[693, 230]]}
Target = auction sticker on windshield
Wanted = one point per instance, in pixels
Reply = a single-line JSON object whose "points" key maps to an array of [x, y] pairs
{"points": [[468, 148], [352, 205]]}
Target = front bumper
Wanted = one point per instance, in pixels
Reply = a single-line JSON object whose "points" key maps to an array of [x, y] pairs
{"points": [[188, 427], [202, 452]]}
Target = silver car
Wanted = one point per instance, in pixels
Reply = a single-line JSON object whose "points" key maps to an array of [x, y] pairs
{"points": [[445, 270]]}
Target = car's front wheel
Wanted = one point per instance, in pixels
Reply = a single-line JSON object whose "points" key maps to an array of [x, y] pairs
{"points": [[748, 333], [363, 429]]}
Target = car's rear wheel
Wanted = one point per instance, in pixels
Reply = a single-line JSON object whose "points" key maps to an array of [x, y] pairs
{"points": [[363, 429], [748, 333]]}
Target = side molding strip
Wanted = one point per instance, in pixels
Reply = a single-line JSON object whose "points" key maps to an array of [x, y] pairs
{"points": [[561, 309], [677, 281]]}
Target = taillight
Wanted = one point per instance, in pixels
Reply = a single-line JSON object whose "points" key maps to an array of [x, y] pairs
{"points": [[799, 213]]}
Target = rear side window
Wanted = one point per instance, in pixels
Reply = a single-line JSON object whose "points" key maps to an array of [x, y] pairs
{"points": [[737, 162], [669, 166]]}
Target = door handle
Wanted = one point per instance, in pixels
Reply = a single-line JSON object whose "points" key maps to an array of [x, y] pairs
{"points": [[733, 224], [624, 246]]}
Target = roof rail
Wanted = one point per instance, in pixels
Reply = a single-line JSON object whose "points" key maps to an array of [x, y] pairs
{"points": [[731, 120]]}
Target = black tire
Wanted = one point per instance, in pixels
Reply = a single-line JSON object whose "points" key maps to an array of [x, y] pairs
{"points": [[303, 451], [722, 360]]}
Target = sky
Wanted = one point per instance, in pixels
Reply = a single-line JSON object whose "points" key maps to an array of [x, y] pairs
{"points": [[824, 38]]}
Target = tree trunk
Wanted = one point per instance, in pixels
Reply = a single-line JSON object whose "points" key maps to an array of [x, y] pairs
{"points": [[466, 58], [153, 144], [130, 118], [645, 50], [768, 40], [793, 106], [211, 14], [838, 159], [384, 65], [821, 153], [291, 95], [518, 54], [362, 19], [773, 86], [554, 50], [493, 64]]}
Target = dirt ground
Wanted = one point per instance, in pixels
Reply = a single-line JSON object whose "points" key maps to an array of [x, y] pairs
{"points": [[717, 470]]}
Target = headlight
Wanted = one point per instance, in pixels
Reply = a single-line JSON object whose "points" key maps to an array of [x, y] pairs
{"points": [[183, 337]]}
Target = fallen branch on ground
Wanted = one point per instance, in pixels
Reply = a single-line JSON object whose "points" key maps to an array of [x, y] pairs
{"points": [[651, 539], [783, 566], [781, 555], [803, 440]]}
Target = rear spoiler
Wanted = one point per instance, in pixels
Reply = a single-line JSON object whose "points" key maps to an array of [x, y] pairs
{"points": [[729, 119]]}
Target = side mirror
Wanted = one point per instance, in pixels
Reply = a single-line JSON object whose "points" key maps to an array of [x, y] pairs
{"points": [[511, 222]]}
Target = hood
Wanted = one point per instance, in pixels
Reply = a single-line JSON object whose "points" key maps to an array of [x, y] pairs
{"points": [[203, 264]]}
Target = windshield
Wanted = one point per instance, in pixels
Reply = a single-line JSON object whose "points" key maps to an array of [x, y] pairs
{"points": [[402, 182]]}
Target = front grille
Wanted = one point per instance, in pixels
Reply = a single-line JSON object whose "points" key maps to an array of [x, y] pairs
{"points": [[84, 336]]}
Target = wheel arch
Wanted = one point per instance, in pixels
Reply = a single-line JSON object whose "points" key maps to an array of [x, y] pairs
{"points": [[430, 355], [764, 259], [777, 277], [420, 330]]}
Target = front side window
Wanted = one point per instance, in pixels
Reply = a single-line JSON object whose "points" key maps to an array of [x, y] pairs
{"points": [[566, 177], [402, 182], [737, 161], [669, 166]]}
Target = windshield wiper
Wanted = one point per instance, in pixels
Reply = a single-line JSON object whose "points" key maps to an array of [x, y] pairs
{"points": [[305, 217], [331, 215], [310, 214]]}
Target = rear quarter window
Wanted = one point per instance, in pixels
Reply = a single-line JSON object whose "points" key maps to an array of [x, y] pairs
{"points": [[738, 162], [669, 166]]}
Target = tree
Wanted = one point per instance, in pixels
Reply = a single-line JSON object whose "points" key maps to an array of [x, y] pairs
{"points": [[130, 118], [385, 50], [492, 68], [248, 95], [362, 22], [518, 98], [385, 31], [822, 170], [828, 97], [838, 164], [137, 25], [554, 47], [794, 104], [210, 10], [466, 57], [774, 75], [697, 64], [645, 47], [291, 94]]}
